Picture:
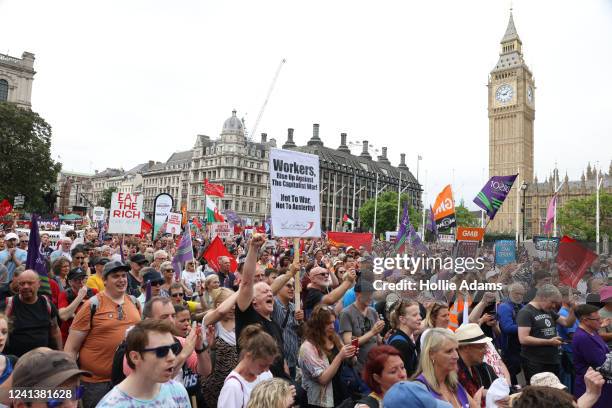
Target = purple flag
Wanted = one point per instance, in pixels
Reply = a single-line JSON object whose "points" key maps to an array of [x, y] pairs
{"points": [[416, 242], [402, 233], [184, 252], [148, 293], [550, 215], [36, 258], [432, 226], [493, 194]]}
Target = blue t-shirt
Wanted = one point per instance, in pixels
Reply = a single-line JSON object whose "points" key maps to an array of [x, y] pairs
{"points": [[566, 332], [21, 256], [172, 394]]}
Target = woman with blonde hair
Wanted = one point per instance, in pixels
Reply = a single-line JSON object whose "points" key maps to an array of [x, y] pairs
{"points": [[405, 321], [438, 370], [437, 316], [224, 348], [274, 393], [258, 350], [7, 363]]}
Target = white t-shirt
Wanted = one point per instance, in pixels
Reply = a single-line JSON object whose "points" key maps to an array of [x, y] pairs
{"points": [[236, 390], [171, 394], [228, 336], [190, 278]]}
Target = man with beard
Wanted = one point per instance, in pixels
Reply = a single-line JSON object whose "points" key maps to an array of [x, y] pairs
{"points": [[226, 277], [318, 290], [34, 318]]}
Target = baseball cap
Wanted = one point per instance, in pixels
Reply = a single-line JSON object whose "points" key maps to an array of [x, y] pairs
{"points": [[43, 368], [471, 333], [547, 379], [152, 276], [100, 261], [415, 392], [605, 294], [107, 238], [114, 266], [10, 235], [76, 273], [139, 259]]}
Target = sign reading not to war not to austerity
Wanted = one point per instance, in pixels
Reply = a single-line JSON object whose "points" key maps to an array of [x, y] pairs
{"points": [[294, 192]]}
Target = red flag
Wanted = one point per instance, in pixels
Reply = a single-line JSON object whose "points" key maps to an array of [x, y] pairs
{"points": [[573, 260], [237, 229], [197, 223], [353, 239], [214, 251], [5, 207], [145, 228], [261, 229], [216, 190]]}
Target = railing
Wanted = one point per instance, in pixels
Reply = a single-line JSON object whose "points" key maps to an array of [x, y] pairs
{"points": [[8, 58]]}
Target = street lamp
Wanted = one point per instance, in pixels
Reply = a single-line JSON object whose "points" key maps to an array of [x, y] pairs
{"points": [[523, 210]]}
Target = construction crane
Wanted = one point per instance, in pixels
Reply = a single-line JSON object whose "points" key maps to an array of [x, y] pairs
{"points": [[263, 107]]}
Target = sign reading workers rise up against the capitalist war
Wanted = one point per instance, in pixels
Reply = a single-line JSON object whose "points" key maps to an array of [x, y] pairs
{"points": [[294, 193]]}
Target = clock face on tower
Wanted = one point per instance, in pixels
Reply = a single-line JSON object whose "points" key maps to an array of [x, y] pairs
{"points": [[530, 94], [504, 93]]}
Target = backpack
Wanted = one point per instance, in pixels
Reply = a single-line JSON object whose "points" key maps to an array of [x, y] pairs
{"points": [[9, 305], [396, 336], [368, 400], [94, 302]]}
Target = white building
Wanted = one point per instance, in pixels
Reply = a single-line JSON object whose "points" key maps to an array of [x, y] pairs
{"points": [[16, 76]]}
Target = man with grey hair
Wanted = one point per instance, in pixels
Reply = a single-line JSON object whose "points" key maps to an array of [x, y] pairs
{"points": [[226, 277], [537, 331]]}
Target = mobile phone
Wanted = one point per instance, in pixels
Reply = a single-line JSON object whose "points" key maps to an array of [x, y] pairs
{"points": [[355, 343]]}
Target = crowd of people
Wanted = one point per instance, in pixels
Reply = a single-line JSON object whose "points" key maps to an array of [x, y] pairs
{"points": [[118, 325]]}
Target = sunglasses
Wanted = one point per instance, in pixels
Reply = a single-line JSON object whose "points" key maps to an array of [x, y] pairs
{"points": [[157, 283], [120, 315], [325, 274], [177, 295], [162, 351]]}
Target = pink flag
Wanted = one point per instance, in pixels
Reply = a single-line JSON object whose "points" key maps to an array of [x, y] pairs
{"points": [[550, 214]]}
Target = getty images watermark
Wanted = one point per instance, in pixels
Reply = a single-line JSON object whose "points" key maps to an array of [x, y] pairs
{"points": [[411, 265]]}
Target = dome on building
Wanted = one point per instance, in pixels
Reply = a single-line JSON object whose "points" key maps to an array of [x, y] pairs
{"points": [[233, 125]]}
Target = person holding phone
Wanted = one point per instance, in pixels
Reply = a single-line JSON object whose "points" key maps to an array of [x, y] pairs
{"points": [[320, 359]]}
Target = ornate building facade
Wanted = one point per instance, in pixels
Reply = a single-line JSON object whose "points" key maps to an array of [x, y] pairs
{"points": [[16, 77], [511, 110]]}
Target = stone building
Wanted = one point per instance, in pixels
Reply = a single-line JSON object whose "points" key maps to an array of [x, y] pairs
{"points": [[347, 181], [169, 177], [74, 192], [511, 101], [237, 163], [16, 76], [539, 193]]}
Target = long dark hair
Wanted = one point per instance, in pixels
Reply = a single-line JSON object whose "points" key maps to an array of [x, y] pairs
{"points": [[315, 328]]}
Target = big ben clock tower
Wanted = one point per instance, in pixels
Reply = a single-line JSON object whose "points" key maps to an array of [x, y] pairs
{"points": [[511, 114]]}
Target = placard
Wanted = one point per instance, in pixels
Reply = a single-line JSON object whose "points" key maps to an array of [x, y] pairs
{"points": [[469, 234], [173, 223], [505, 251], [294, 193], [99, 214], [125, 213], [161, 207], [221, 230]]}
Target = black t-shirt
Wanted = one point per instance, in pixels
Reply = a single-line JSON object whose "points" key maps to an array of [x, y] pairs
{"points": [[313, 297], [31, 326], [133, 288], [408, 349], [543, 326], [250, 316]]}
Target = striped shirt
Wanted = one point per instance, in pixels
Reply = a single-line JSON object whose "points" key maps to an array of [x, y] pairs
{"points": [[290, 337]]}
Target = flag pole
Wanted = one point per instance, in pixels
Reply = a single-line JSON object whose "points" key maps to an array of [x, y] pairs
{"points": [[518, 200], [423, 209], [375, 206], [598, 182], [555, 209], [399, 193]]}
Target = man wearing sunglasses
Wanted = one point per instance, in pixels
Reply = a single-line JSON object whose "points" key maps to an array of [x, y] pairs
{"points": [[151, 353], [318, 290], [71, 300], [150, 277]]}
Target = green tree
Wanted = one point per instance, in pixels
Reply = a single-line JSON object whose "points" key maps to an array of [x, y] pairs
{"points": [[577, 216], [26, 166], [107, 194], [464, 217], [386, 212]]}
